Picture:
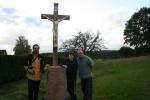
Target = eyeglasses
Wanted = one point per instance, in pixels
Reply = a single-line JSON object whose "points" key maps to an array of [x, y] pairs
{"points": [[35, 48]]}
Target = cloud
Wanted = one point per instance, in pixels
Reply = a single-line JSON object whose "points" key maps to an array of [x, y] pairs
{"points": [[7, 15], [33, 21]]}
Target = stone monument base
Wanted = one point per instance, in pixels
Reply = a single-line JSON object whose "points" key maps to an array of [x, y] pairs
{"points": [[56, 88]]}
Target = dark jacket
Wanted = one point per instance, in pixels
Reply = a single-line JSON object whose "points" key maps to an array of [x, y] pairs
{"points": [[37, 64], [30, 60], [71, 71]]}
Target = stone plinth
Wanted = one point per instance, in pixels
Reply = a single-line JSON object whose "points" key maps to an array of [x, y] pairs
{"points": [[56, 83]]}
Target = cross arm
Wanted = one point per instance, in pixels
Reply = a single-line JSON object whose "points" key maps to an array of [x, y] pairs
{"points": [[55, 17], [47, 16], [64, 17]]}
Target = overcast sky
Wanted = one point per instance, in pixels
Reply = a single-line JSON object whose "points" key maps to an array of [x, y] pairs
{"points": [[23, 18]]}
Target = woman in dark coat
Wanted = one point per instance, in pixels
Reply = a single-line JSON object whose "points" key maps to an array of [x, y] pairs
{"points": [[71, 71]]}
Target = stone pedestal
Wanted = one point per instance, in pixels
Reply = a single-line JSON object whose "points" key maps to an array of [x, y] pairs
{"points": [[56, 88]]}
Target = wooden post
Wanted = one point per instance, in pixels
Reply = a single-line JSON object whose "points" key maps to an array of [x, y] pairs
{"points": [[56, 75]]}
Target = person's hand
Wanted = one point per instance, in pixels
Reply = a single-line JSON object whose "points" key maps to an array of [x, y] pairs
{"points": [[64, 66], [26, 67], [31, 71], [46, 67]]}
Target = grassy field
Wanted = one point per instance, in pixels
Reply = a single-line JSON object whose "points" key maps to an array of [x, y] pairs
{"points": [[121, 79]]}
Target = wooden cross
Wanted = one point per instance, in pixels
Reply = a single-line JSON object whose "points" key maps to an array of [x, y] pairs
{"points": [[55, 18]]}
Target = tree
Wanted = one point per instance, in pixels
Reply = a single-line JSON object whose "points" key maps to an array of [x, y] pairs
{"points": [[137, 30], [126, 52], [86, 41], [22, 47]]}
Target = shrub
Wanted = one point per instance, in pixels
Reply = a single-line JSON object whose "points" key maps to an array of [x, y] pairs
{"points": [[126, 52], [11, 68]]}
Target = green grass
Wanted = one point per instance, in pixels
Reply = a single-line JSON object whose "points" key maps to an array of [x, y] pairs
{"points": [[121, 79], [18, 90], [124, 79]]}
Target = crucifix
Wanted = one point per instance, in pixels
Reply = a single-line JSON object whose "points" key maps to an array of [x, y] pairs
{"points": [[55, 18]]}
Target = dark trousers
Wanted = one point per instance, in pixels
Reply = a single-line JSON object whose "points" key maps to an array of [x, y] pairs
{"points": [[86, 85], [71, 87], [33, 89]]}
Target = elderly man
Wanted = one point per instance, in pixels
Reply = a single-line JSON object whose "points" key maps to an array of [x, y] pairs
{"points": [[85, 65]]}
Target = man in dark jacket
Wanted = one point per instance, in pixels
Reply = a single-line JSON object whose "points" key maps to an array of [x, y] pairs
{"points": [[71, 73]]}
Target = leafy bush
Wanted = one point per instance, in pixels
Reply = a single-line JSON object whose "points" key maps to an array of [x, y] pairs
{"points": [[104, 54], [126, 52]]}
